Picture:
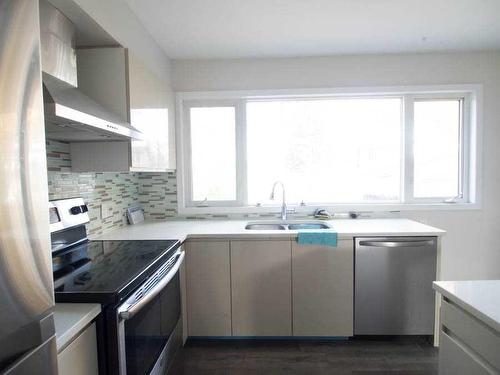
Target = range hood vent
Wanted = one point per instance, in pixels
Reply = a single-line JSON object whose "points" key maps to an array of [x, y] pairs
{"points": [[70, 115]]}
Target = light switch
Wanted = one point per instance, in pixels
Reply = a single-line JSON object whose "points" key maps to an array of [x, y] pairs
{"points": [[106, 210]]}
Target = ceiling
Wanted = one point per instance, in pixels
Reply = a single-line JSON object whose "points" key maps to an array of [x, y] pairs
{"points": [[279, 28]]}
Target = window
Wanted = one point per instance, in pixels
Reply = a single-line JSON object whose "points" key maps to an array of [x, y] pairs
{"points": [[213, 143], [384, 149], [213, 154], [437, 148], [325, 150]]}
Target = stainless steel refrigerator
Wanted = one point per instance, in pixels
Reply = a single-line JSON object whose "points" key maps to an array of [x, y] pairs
{"points": [[27, 339]]}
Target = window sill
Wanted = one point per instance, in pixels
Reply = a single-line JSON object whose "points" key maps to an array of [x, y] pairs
{"points": [[307, 210]]}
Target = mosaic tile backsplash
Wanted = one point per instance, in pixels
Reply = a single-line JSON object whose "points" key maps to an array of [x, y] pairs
{"points": [[116, 191], [156, 192], [158, 195]]}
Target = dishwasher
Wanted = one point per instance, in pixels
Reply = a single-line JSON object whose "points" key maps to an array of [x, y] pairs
{"points": [[393, 285]]}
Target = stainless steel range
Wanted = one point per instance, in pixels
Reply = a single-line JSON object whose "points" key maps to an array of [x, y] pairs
{"points": [[136, 282]]}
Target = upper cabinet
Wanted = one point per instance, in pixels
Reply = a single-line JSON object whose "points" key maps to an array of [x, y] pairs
{"points": [[149, 113], [123, 85]]}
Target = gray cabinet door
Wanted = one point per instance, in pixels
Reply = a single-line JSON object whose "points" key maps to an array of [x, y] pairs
{"points": [[149, 113], [208, 288], [323, 287], [124, 86], [261, 288], [80, 357]]}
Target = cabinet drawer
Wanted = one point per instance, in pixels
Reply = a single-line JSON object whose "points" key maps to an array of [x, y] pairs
{"points": [[472, 332], [455, 360], [80, 357]]}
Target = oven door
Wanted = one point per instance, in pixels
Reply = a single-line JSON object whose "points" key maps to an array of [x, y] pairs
{"points": [[149, 322]]}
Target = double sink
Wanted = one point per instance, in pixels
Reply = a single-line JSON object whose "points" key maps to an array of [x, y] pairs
{"points": [[286, 225]]}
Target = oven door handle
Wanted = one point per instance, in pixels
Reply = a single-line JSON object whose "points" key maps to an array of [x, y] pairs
{"points": [[128, 312]]}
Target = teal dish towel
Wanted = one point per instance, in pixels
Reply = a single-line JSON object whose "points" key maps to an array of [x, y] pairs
{"points": [[317, 238]]}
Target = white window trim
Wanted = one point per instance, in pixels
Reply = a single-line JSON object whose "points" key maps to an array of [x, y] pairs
{"points": [[466, 123], [472, 133], [239, 107]]}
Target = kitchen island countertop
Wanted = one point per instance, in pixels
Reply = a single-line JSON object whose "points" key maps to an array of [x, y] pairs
{"points": [[481, 298]]}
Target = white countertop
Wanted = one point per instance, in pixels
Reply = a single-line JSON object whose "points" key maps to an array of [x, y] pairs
{"points": [[480, 298], [71, 318], [183, 229]]}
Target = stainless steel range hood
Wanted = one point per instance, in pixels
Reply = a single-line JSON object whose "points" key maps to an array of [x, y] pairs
{"points": [[70, 115]]}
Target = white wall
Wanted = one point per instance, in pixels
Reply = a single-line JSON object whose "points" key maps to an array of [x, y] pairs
{"points": [[116, 17], [471, 249]]}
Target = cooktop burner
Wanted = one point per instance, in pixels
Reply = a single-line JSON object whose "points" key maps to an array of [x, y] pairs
{"points": [[106, 271]]}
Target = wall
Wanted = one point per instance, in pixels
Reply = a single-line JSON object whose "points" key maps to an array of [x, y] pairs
{"points": [[118, 20], [158, 195], [117, 190], [121, 23], [471, 249], [154, 191]]}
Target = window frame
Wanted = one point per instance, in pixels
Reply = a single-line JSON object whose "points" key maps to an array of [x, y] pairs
{"points": [[464, 151], [240, 148], [470, 140]]}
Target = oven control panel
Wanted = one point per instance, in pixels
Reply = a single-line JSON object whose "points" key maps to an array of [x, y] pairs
{"points": [[67, 213]]}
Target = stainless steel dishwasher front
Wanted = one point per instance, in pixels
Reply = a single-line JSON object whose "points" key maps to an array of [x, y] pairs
{"points": [[393, 285]]}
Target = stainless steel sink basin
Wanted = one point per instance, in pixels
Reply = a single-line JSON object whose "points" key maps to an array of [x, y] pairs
{"points": [[287, 225], [265, 226], [308, 226]]}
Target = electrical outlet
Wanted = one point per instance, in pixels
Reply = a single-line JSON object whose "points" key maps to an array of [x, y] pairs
{"points": [[106, 210]]}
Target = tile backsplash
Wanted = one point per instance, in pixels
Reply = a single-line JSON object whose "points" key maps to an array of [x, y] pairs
{"points": [[156, 192], [116, 191], [158, 195]]}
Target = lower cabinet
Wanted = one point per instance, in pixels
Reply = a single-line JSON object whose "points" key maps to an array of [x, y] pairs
{"points": [[80, 356], [261, 290], [269, 288], [466, 345], [208, 288], [454, 359], [322, 285]]}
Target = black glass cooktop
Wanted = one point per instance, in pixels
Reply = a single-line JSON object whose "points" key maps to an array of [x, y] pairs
{"points": [[107, 271]]}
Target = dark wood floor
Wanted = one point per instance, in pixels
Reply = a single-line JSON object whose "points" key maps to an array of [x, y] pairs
{"points": [[360, 356]]}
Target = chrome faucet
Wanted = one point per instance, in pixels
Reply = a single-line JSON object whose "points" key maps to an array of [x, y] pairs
{"points": [[284, 210]]}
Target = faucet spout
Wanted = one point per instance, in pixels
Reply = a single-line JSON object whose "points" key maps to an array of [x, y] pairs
{"points": [[284, 210]]}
